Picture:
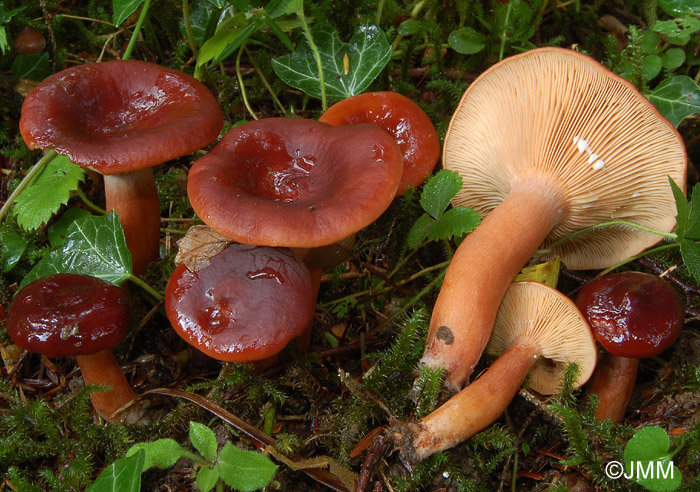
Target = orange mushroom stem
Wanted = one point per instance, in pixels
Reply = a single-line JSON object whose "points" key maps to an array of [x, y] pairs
{"points": [[613, 384]]}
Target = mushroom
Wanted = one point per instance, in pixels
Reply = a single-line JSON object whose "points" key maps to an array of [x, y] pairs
{"points": [[402, 119], [295, 183], [632, 315], [245, 305], [547, 142], [29, 41], [68, 314], [539, 332], [120, 118]]}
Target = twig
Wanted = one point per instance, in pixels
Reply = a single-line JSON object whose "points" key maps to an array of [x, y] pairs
{"points": [[369, 464]]}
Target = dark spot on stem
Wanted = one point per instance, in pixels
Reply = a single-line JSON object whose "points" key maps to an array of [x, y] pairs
{"points": [[445, 334]]}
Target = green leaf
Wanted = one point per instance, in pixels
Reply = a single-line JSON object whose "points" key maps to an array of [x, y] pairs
{"points": [[466, 41], [229, 36], [57, 231], [693, 227], [682, 209], [690, 251], [368, 53], [45, 195], [647, 453], [33, 67], [123, 9], [162, 453], [419, 231], [651, 66], [285, 7], [4, 45], [673, 58], [676, 8], [94, 246], [203, 440], [676, 98], [124, 475], [12, 247], [207, 476], [439, 191], [455, 222], [409, 27], [245, 470]]}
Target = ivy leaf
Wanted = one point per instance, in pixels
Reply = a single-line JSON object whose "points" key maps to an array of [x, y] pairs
{"points": [[162, 453], [456, 222], [12, 247], [45, 195], [207, 476], [439, 191], [57, 231], [690, 251], [648, 450], [124, 475], [203, 440], [123, 9], [676, 98], [245, 470], [93, 246], [419, 231], [368, 53]]}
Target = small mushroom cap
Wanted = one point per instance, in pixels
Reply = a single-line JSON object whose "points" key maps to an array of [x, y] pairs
{"points": [[560, 118], [403, 119], [120, 116], [29, 41], [632, 314], [553, 321], [246, 305], [296, 183], [67, 314]]}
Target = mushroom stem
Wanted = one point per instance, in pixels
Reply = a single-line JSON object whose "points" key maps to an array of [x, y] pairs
{"points": [[477, 405], [103, 369], [613, 384], [134, 197], [481, 270]]}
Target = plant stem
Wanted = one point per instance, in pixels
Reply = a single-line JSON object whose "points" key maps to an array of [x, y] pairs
{"points": [[504, 32], [188, 27], [317, 56], [241, 85], [267, 85], [157, 295], [668, 235], [89, 202], [380, 8], [636, 257], [137, 30], [26, 181]]}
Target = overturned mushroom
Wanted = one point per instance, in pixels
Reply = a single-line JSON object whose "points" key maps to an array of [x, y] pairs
{"points": [[539, 332], [547, 142], [120, 118]]}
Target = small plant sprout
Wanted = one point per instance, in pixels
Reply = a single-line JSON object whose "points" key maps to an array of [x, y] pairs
{"points": [[511, 141]]}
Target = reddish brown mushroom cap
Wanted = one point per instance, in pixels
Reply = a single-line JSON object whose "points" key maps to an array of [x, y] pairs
{"points": [[29, 41], [632, 314], [68, 314], [121, 115], [246, 305], [403, 119], [295, 183]]}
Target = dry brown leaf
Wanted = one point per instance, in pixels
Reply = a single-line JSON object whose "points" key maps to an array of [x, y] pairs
{"points": [[198, 245]]}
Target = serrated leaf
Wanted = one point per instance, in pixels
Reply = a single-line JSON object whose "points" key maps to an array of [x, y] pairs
{"points": [[245, 470], [203, 440], [454, 223], [162, 453], [207, 476], [690, 251], [682, 209], [368, 53], [439, 191], [676, 98], [12, 247], [648, 451], [419, 231], [124, 475], [123, 9], [33, 67], [45, 195], [94, 246]]}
